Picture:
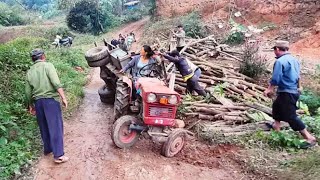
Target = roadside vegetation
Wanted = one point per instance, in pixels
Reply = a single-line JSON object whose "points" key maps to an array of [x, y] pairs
{"points": [[19, 136], [97, 17]]}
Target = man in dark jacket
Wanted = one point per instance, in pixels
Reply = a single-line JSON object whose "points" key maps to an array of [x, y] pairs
{"points": [[188, 74]]}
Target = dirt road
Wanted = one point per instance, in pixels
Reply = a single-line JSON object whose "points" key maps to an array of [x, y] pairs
{"points": [[93, 155]]}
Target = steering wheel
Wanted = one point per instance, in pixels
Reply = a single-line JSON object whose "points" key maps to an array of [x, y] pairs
{"points": [[153, 70]]}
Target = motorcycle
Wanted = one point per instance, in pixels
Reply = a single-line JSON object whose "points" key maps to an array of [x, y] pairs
{"points": [[58, 42]]}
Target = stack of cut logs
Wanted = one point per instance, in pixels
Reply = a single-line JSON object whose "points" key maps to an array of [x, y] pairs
{"points": [[241, 101]]}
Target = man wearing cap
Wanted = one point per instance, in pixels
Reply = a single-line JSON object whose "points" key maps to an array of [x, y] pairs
{"points": [[286, 75], [181, 35], [190, 72], [43, 89]]}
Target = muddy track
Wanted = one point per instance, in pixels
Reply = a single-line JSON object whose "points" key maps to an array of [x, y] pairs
{"points": [[93, 155]]}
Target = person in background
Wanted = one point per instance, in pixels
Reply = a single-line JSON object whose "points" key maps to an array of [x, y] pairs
{"points": [[190, 72], [123, 45], [130, 39], [140, 66], [286, 76], [180, 35], [121, 37], [43, 89]]}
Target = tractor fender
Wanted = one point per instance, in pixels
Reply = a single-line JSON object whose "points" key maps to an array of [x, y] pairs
{"points": [[128, 81]]}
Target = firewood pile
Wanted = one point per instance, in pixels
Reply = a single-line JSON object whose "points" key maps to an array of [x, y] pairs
{"points": [[237, 104]]}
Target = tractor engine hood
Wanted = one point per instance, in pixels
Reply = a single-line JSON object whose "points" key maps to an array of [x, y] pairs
{"points": [[154, 85]]}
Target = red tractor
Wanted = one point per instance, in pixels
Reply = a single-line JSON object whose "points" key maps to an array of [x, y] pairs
{"points": [[156, 119], [151, 114]]}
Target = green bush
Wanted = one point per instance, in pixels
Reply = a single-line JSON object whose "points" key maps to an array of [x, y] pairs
{"points": [[193, 25], [88, 17], [10, 16], [311, 99], [133, 15], [253, 65], [235, 38], [19, 136]]}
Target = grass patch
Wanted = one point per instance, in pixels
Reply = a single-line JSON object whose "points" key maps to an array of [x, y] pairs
{"points": [[19, 134], [306, 167]]}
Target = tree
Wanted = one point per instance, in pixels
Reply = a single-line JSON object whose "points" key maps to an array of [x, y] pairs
{"points": [[86, 17]]}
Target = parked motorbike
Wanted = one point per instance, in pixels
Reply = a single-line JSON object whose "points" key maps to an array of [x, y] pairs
{"points": [[58, 42]]}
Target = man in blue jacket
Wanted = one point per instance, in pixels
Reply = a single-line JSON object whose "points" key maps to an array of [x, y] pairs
{"points": [[189, 74], [286, 75]]}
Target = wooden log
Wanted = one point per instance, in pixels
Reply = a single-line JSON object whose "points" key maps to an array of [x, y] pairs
{"points": [[219, 67], [235, 89], [183, 84], [252, 86], [218, 79], [207, 110], [223, 100], [241, 87], [203, 52], [233, 52], [259, 107], [249, 91], [236, 113], [206, 117], [235, 118], [192, 42], [240, 107], [193, 124], [193, 102], [180, 88], [191, 114], [179, 79], [227, 54]]}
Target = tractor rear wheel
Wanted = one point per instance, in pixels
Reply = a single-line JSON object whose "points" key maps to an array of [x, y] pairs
{"points": [[175, 143], [121, 135], [122, 99], [106, 95]]}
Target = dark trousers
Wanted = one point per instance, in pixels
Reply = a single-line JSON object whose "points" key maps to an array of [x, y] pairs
{"points": [[193, 85], [197, 73], [284, 109], [49, 117]]}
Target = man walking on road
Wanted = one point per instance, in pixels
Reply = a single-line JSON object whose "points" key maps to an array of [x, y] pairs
{"points": [[43, 88], [286, 75], [181, 35]]}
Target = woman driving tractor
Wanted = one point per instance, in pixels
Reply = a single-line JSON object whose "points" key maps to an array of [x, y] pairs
{"points": [[140, 65]]}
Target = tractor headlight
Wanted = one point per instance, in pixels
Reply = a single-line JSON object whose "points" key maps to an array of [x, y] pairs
{"points": [[151, 98], [173, 99]]}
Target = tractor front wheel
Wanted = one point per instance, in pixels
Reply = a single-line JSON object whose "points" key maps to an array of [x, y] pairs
{"points": [[175, 143], [121, 135]]}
